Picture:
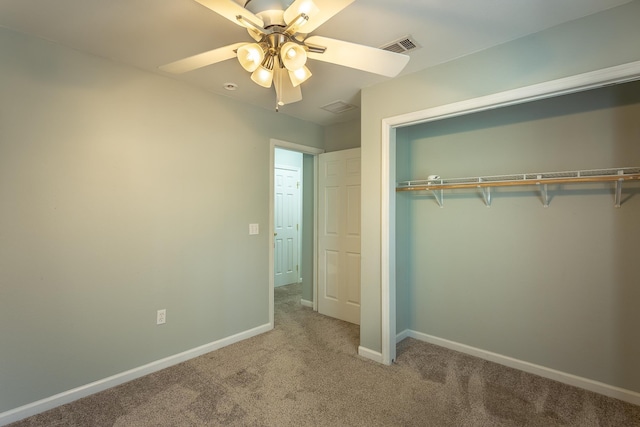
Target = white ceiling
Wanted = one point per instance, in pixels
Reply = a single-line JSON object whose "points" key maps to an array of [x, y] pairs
{"points": [[149, 33]]}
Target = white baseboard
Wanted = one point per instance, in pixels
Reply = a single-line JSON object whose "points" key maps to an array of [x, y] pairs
{"points": [[370, 354], [306, 303], [51, 402], [402, 335], [563, 377]]}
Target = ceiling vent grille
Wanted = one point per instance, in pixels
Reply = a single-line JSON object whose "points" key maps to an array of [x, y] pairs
{"points": [[338, 107], [402, 45]]}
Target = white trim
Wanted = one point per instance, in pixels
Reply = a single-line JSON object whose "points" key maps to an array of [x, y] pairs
{"points": [[591, 80], [315, 233], [304, 149], [68, 396], [306, 303], [402, 335], [387, 264], [370, 354], [564, 86], [272, 279], [552, 374]]}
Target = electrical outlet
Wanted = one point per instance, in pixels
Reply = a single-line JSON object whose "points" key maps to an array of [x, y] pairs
{"points": [[254, 229], [161, 317]]}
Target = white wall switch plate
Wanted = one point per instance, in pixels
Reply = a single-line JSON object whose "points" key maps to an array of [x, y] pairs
{"points": [[254, 229]]}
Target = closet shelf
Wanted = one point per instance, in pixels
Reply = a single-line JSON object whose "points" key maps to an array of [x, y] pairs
{"points": [[543, 179]]}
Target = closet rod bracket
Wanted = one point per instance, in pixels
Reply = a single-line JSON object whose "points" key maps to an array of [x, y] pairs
{"points": [[544, 191], [486, 193], [439, 197], [619, 189]]}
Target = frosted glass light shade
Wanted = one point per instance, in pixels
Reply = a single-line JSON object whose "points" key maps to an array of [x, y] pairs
{"points": [[250, 56], [262, 76], [308, 7], [293, 56], [299, 76]]}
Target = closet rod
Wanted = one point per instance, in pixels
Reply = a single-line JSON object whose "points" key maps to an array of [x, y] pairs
{"points": [[513, 183], [437, 185]]}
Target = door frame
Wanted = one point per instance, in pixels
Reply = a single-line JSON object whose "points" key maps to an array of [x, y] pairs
{"points": [[304, 149], [564, 86]]}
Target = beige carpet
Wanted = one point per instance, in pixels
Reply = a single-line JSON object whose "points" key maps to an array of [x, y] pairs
{"points": [[307, 372]]}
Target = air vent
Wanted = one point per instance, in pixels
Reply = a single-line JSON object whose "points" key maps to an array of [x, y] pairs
{"points": [[338, 107], [401, 45]]}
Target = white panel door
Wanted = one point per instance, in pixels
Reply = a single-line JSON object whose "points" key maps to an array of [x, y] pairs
{"points": [[286, 227], [339, 235]]}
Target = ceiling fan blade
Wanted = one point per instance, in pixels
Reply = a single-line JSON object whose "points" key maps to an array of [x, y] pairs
{"points": [[202, 59], [286, 93], [358, 56], [230, 10], [319, 11]]}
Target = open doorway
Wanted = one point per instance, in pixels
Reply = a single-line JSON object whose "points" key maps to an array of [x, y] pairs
{"points": [[288, 217], [284, 259]]}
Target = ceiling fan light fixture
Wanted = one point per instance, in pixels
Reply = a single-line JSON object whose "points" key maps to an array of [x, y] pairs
{"points": [[255, 34], [250, 56], [298, 8], [248, 23], [308, 7], [278, 86], [296, 24], [263, 75], [299, 76], [278, 50], [293, 56]]}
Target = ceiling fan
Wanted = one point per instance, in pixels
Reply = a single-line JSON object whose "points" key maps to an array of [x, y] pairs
{"points": [[282, 44]]}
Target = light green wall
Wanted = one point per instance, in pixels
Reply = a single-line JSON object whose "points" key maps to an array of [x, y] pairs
{"points": [[403, 251], [284, 157], [121, 193], [594, 42], [556, 287], [342, 136]]}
